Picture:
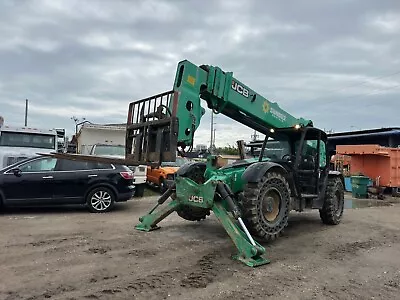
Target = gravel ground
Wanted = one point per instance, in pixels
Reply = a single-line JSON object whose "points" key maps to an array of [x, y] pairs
{"points": [[68, 253]]}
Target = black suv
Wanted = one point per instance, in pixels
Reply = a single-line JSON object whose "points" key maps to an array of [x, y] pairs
{"points": [[44, 180]]}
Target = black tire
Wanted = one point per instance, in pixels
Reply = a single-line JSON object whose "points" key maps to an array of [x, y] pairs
{"points": [[163, 185], [267, 223], [139, 190], [102, 194], [1, 204], [332, 210], [191, 213]]}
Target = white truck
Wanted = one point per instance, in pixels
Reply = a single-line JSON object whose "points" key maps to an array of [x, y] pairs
{"points": [[18, 143], [109, 141]]}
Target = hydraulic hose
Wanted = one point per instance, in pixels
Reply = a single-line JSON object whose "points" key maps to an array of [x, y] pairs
{"points": [[164, 197], [226, 194]]}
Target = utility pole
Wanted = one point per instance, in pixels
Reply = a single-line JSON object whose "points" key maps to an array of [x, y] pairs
{"points": [[214, 137], [212, 133], [254, 136], [26, 112]]}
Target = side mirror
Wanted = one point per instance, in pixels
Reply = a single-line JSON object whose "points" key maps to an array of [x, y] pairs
{"points": [[17, 172]]}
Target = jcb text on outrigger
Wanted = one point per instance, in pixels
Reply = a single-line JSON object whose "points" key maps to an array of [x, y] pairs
{"points": [[251, 198]]}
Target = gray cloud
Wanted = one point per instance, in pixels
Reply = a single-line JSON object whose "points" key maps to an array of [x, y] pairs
{"points": [[318, 59]]}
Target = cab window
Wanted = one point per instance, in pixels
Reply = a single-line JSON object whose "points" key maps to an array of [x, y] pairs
{"points": [[310, 148]]}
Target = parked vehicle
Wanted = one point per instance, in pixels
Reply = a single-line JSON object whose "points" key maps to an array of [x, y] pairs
{"points": [[92, 134], [118, 151], [61, 140], [19, 143], [162, 176], [52, 181]]}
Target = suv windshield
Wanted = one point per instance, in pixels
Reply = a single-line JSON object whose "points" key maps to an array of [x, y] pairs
{"points": [[180, 161], [109, 150], [29, 140]]}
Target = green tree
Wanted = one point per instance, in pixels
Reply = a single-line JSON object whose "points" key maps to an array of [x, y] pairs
{"points": [[227, 150]]}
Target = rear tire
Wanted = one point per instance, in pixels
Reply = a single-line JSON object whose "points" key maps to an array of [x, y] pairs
{"points": [[100, 200], [139, 190], [266, 206], [1, 204], [163, 186], [332, 210]]}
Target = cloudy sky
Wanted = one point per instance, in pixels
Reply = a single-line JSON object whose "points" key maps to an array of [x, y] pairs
{"points": [[336, 62]]}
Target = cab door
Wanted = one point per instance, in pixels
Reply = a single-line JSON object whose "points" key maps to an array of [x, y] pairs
{"points": [[311, 161], [72, 181], [31, 182]]}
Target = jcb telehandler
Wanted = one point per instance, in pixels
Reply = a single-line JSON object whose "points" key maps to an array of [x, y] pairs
{"points": [[250, 197]]}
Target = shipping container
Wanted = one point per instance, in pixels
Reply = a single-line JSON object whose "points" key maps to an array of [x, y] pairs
{"points": [[381, 164]]}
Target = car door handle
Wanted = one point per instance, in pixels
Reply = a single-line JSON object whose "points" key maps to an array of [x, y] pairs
{"points": [[92, 175], [47, 177]]}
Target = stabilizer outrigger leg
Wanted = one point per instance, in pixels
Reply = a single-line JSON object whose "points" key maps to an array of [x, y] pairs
{"points": [[149, 222], [250, 252], [224, 208]]}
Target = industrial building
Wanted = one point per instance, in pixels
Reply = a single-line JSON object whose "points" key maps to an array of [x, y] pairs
{"points": [[387, 137]]}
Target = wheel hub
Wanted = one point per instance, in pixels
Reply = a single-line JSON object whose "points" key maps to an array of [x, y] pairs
{"points": [[101, 200], [271, 206]]}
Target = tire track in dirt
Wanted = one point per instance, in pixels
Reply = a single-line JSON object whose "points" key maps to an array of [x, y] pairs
{"points": [[209, 268], [285, 284], [387, 288], [351, 249], [49, 293], [49, 241], [204, 272]]}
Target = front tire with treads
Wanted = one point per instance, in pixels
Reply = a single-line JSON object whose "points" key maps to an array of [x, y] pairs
{"points": [[266, 206], [332, 210]]}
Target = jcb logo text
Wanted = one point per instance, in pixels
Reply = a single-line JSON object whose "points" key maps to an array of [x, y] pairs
{"points": [[196, 199], [240, 89]]}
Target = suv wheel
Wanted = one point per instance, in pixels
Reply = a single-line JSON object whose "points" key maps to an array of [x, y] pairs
{"points": [[100, 200]]}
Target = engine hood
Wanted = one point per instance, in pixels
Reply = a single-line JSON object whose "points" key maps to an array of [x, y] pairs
{"points": [[170, 170], [10, 155], [17, 151]]}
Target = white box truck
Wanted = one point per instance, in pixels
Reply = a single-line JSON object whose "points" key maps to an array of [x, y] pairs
{"points": [[19, 143], [109, 141]]}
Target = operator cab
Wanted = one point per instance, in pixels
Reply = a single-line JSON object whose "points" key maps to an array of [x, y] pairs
{"points": [[302, 152]]}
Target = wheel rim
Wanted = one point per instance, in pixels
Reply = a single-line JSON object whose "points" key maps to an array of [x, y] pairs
{"points": [[271, 205], [101, 200]]}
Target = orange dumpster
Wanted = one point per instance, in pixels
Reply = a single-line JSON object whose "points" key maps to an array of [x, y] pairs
{"points": [[381, 164]]}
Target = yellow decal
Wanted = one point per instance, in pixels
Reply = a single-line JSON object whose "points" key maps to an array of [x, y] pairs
{"points": [[266, 107], [191, 80]]}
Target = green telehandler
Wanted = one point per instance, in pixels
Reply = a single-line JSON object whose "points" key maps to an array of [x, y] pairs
{"points": [[251, 197]]}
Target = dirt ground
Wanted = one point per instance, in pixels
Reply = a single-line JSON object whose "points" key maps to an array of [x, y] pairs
{"points": [[68, 253]]}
